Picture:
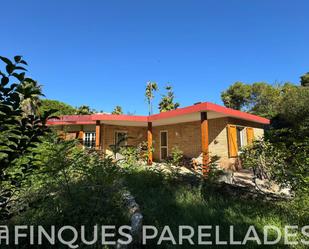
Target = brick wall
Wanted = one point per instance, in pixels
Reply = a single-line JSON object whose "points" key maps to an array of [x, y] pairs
{"points": [[187, 136], [135, 135]]}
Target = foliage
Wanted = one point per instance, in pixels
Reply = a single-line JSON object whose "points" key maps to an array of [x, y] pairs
{"points": [[21, 127], [283, 156], [134, 155], [84, 110], [117, 110], [280, 161], [30, 93], [176, 156], [265, 99], [167, 101], [70, 186], [263, 157], [131, 155], [236, 96], [20, 131], [294, 109], [150, 88], [61, 107], [304, 80], [258, 98]]}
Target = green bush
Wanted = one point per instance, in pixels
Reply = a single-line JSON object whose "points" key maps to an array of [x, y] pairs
{"points": [[69, 186], [21, 127], [130, 154], [285, 163], [176, 156]]}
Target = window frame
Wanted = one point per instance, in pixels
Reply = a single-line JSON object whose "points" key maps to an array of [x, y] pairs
{"points": [[115, 136], [92, 139], [165, 146]]}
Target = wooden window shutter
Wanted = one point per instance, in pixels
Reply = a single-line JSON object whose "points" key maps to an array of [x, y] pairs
{"points": [[250, 135], [232, 140]]}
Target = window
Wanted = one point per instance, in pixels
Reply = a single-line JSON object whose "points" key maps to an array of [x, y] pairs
{"points": [[121, 138], [163, 145], [240, 137], [89, 139]]}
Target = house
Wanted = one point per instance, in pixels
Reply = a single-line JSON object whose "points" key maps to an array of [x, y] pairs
{"points": [[201, 130]]}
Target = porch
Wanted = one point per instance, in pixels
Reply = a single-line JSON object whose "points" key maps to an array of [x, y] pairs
{"points": [[199, 131]]}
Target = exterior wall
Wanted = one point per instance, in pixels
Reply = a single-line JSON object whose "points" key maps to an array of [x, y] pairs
{"points": [[258, 130], [136, 135], [258, 133], [187, 136]]}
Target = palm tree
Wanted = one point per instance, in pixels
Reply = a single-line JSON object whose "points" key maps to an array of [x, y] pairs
{"points": [[29, 94], [150, 88]]}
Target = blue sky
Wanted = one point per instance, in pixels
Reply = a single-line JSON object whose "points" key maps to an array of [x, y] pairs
{"points": [[102, 53]]}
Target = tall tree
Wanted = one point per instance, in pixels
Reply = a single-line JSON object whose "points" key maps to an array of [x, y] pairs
{"points": [[258, 98], [151, 87], [117, 110], [60, 107], [264, 99], [304, 80], [236, 96], [167, 101], [30, 93]]}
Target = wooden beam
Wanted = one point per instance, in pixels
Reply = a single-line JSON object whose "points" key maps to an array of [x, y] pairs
{"points": [[205, 142], [149, 143], [97, 135]]}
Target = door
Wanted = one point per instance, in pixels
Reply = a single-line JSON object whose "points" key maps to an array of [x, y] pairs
{"points": [[163, 145]]}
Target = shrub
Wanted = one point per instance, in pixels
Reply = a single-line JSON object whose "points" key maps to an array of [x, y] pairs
{"points": [[21, 127], [61, 168], [287, 165], [176, 156], [130, 154]]}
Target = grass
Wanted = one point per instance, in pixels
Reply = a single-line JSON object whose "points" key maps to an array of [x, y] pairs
{"points": [[165, 200], [168, 201]]}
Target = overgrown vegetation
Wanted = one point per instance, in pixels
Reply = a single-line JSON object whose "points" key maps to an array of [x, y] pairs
{"points": [[176, 156], [21, 127], [283, 155], [70, 186], [48, 181], [166, 200]]}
